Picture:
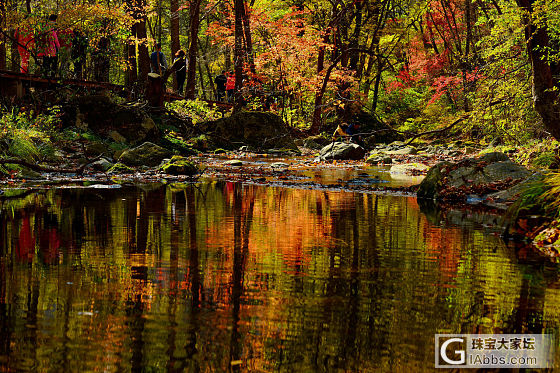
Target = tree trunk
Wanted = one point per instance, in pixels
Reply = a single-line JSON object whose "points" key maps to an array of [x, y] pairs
{"points": [[143, 53], [355, 40], [239, 52], [193, 48], [174, 31], [248, 38], [2, 36], [132, 70], [545, 75]]}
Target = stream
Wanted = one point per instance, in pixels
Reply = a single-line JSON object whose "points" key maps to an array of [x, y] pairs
{"points": [[222, 275]]}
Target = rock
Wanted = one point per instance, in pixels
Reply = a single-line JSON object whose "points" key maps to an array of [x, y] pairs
{"points": [[28, 174], [95, 148], [370, 124], [245, 149], [178, 165], [279, 165], [375, 158], [102, 115], [409, 150], [493, 168], [117, 137], [432, 183], [408, 168], [120, 168], [341, 150], [101, 165], [315, 142], [147, 154], [311, 144], [494, 157], [500, 199], [233, 162], [148, 124], [259, 130], [201, 143], [283, 152]]}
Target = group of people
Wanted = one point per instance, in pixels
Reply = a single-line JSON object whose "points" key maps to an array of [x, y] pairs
{"points": [[47, 42], [225, 86]]}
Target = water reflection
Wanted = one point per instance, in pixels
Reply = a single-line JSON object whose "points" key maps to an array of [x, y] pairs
{"points": [[225, 277]]}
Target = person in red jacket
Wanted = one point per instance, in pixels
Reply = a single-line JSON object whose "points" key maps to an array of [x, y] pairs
{"points": [[49, 47], [230, 86], [25, 43]]}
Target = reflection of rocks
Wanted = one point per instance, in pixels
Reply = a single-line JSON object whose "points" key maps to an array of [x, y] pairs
{"points": [[342, 150], [460, 217], [147, 154], [472, 176]]}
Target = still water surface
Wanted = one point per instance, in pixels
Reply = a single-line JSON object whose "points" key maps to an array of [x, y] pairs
{"points": [[227, 277]]}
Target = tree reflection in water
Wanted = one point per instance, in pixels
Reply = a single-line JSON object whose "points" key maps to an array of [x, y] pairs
{"points": [[224, 276]]}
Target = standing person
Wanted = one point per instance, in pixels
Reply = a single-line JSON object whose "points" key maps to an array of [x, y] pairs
{"points": [[157, 60], [181, 71], [25, 43], [49, 47], [230, 86], [79, 52], [221, 81], [65, 38]]}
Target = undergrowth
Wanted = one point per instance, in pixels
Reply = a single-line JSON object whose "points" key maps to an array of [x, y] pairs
{"points": [[26, 135]]}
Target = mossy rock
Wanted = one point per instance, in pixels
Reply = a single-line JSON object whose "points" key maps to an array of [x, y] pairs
{"points": [[178, 165], [202, 143], [177, 145], [147, 154], [220, 151], [95, 148], [120, 168], [432, 183]]}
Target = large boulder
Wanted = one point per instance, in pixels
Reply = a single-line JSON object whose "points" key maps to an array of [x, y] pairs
{"points": [[472, 176], [342, 150], [147, 154], [104, 116], [258, 130]]}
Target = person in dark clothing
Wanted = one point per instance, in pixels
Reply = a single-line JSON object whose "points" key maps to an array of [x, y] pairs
{"points": [[220, 82], [157, 60], [181, 72], [48, 47], [348, 131], [78, 53]]}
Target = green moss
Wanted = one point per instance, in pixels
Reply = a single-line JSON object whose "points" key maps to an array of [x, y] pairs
{"points": [[174, 142], [202, 143], [544, 160], [178, 165], [120, 168]]}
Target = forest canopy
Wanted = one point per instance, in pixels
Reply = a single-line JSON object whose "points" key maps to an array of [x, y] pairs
{"points": [[414, 65]]}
